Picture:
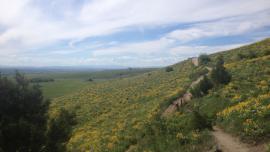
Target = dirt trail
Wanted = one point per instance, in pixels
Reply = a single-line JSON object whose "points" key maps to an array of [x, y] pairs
{"points": [[228, 143], [185, 98]]}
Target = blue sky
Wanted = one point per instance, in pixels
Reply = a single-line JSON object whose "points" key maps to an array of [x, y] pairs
{"points": [[133, 33]]}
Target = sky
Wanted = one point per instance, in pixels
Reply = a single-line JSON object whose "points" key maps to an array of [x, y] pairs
{"points": [[130, 33]]}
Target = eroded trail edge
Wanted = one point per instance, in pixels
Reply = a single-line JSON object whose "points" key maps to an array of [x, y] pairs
{"points": [[185, 98]]}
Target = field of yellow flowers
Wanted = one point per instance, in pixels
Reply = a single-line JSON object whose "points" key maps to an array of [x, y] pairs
{"points": [[111, 114], [114, 114]]}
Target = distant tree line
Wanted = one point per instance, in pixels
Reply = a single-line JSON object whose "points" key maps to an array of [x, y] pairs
{"points": [[24, 122], [38, 80]]}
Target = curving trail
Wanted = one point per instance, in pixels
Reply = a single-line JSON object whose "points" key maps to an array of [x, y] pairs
{"points": [[229, 143]]}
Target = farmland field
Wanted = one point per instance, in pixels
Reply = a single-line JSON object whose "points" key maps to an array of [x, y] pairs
{"points": [[69, 82]]}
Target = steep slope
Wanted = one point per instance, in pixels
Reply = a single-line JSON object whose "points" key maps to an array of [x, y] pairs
{"points": [[241, 108], [113, 115]]}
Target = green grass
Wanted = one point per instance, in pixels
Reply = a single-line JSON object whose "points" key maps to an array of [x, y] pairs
{"points": [[69, 82], [97, 75], [62, 87]]}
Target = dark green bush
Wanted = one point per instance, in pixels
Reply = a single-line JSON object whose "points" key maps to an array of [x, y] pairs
{"points": [[22, 115], [219, 74], [199, 121], [202, 87], [169, 69], [24, 120], [204, 59]]}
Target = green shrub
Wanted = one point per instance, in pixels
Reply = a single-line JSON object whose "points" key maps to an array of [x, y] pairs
{"points": [[24, 121], [205, 85], [204, 59], [251, 55], [199, 122], [238, 57], [202, 87], [22, 115], [246, 55], [219, 74], [169, 69], [196, 91]]}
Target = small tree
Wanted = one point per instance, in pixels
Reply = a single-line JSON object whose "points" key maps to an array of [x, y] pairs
{"points": [[22, 115], [205, 85], [219, 75], [196, 91], [24, 121], [251, 54], [169, 69], [204, 59]]}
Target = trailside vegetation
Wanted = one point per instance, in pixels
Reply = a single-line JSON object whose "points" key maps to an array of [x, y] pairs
{"points": [[219, 75], [202, 87]]}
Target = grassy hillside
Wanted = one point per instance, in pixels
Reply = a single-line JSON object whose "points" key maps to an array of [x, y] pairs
{"points": [[240, 107], [111, 114], [115, 114]]}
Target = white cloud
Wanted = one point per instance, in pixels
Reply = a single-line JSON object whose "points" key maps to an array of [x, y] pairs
{"points": [[224, 27], [138, 49], [31, 24], [157, 52]]}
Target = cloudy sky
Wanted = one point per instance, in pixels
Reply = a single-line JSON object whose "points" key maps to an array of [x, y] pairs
{"points": [[133, 33]]}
